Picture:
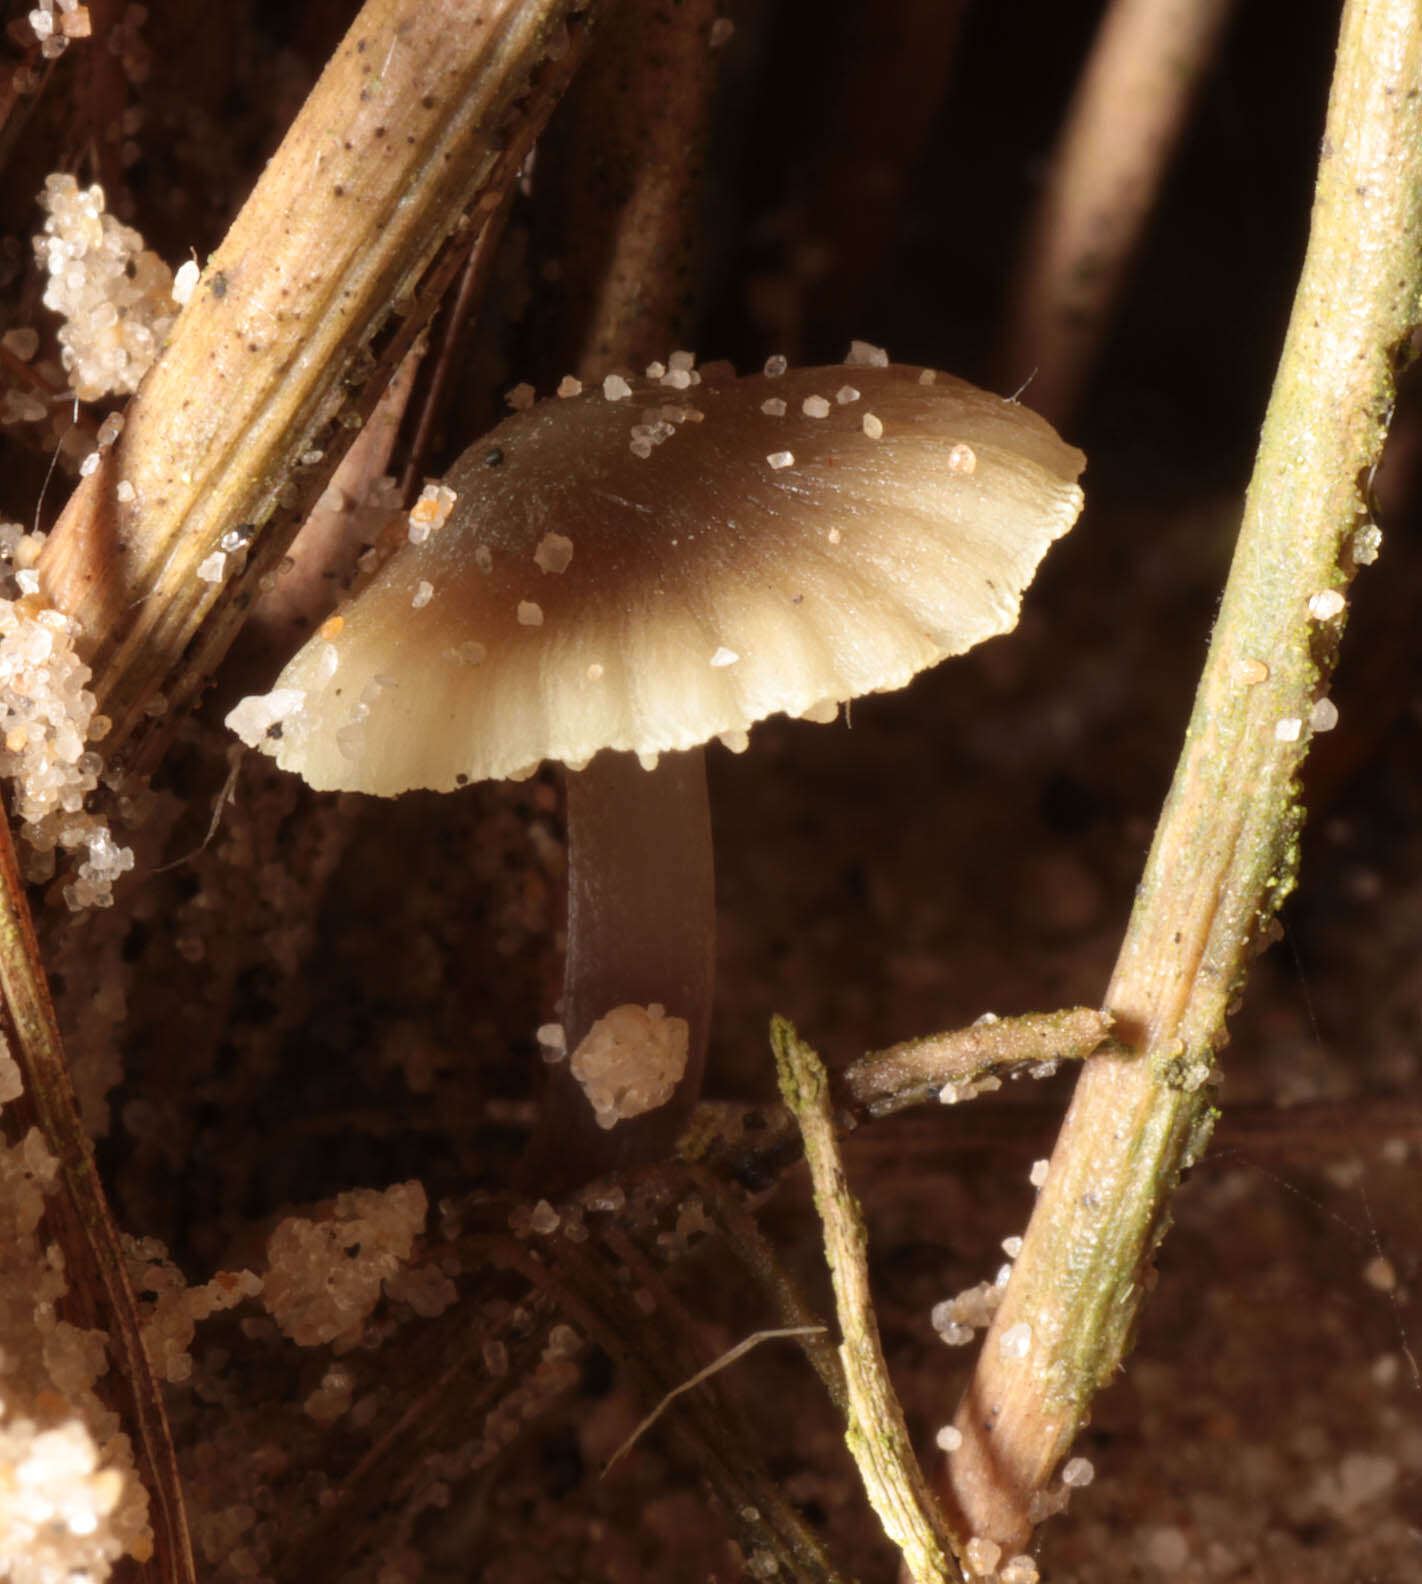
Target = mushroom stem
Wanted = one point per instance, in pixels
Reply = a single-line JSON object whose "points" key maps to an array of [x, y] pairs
{"points": [[641, 928]]}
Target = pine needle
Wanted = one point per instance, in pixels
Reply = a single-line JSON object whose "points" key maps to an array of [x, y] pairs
{"points": [[714, 1367]]}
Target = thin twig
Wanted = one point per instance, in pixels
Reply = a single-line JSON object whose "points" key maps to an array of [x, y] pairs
{"points": [[895, 63], [918, 1069], [941, 1068], [1226, 849], [322, 560], [440, 1396], [37, 72], [1125, 121], [468, 299], [84, 1229], [875, 1431]]}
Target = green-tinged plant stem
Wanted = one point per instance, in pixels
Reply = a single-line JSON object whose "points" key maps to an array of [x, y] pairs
{"points": [[875, 1431], [1225, 852]]}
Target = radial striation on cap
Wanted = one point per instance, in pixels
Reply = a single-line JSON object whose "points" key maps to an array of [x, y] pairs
{"points": [[604, 558]]}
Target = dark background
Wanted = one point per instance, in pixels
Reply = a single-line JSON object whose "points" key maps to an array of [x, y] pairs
{"points": [[343, 993]]}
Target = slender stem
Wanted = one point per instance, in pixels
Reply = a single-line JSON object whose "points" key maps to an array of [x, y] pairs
{"points": [[1120, 133], [641, 928], [473, 287], [755, 1251], [1225, 852], [855, 153], [763, 1513], [99, 1290], [322, 557]]}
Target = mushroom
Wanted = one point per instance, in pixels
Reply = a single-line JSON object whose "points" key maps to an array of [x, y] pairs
{"points": [[628, 573]]}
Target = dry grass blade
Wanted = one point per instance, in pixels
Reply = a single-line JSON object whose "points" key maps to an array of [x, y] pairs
{"points": [[1225, 850], [443, 1395], [413, 133], [725, 1361], [99, 1286], [754, 1250], [457, 321]]}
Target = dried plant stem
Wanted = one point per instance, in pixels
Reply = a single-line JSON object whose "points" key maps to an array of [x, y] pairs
{"points": [[100, 1295], [869, 136], [1123, 127], [409, 139], [102, 93], [322, 557], [442, 1396], [908, 1074], [875, 1433], [13, 118], [1225, 851]]}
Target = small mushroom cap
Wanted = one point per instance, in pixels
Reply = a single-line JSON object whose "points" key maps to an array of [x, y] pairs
{"points": [[647, 573]]}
